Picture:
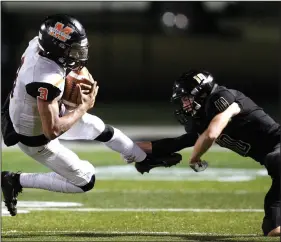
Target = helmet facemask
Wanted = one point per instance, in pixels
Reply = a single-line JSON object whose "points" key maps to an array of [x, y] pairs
{"points": [[188, 103], [187, 108], [76, 56]]}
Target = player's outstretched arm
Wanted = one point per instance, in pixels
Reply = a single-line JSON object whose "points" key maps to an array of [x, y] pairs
{"points": [[168, 146], [53, 125], [216, 126], [162, 153]]}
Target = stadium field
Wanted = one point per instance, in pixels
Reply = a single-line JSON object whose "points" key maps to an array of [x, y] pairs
{"points": [[223, 203]]}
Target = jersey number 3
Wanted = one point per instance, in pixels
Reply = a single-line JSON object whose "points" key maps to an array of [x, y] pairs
{"points": [[43, 93]]}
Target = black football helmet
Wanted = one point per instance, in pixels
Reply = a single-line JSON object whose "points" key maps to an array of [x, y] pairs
{"points": [[63, 39], [190, 91]]}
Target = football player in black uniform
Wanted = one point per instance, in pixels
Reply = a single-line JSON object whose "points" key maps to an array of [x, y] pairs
{"points": [[213, 113]]}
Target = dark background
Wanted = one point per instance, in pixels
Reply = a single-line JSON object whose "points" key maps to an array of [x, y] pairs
{"points": [[139, 48]]}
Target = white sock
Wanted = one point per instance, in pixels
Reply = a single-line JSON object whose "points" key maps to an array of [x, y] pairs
{"points": [[124, 145], [48, 181]]}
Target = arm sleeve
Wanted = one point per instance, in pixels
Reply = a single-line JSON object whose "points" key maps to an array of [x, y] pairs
{"points": [[219, 102], [46, 86], [43, 90], [171, 145]]}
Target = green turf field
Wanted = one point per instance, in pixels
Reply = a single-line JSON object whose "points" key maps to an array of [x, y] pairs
{"points": [[125, 206]]}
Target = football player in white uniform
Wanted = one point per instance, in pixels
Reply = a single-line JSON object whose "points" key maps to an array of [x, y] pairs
{"points": [[34, 118]]}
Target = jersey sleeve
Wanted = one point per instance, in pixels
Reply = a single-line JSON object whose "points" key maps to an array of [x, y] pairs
{"points": [[170, 145], [46, 86], [219, 102]]}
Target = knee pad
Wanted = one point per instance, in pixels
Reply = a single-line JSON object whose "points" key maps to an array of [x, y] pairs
{"points": [[266, 226], [106, 135], [270, 224], [90, 185]]}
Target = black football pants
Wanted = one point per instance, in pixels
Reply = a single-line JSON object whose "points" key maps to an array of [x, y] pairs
{"points": [[272, 199]]}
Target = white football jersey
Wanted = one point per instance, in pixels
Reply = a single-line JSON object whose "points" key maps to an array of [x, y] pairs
{"points": [[38, 77]]}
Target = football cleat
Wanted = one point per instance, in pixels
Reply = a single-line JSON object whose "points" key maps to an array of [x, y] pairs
{"points": [[151, 162], [11, 188]]}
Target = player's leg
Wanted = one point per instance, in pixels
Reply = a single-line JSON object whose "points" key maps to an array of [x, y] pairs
{"points": [[71, 175], [271, 221], [91, 127]]}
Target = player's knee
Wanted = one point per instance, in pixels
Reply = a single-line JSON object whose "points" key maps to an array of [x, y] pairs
{"points": [[271, 227], [86, 176], [106, 134], [90, 185], [95, 124], [101, 132], [266, 226], [275, 232]]}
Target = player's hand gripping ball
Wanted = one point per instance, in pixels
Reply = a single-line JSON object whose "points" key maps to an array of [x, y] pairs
{"points": [[71, 91]]}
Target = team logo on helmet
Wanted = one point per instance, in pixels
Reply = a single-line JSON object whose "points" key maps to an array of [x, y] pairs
{"points": [[200, 77], [60, 32]]}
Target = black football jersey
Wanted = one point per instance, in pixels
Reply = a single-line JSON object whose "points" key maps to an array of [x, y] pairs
{"points": [[251, 133]]}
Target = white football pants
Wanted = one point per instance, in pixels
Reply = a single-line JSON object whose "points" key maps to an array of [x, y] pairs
{"points": [[62, 160]]}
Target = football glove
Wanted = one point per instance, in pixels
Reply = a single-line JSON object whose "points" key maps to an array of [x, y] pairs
{"points": [[151, 162]]}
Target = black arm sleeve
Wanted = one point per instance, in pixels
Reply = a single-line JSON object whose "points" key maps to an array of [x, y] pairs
{"points": [[171, 145]]}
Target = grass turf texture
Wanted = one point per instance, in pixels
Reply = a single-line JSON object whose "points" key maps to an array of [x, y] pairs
{"points": [[144, 225]]}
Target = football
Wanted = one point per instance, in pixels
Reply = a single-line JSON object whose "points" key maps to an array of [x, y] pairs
{"points": [[71, 90]]}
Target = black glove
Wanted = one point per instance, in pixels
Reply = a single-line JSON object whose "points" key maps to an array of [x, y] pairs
{"points": [[151, 162]]}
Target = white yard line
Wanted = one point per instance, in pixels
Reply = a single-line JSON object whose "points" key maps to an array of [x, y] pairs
{"points": [[160, 191], [238, 192], [31, 206], [125, 233], [128, 172], [172, 210]]}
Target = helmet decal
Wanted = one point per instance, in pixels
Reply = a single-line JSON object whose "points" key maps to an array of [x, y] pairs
{"points": [[190, 91], [199, 77], [60, 32], [63, 39]]}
